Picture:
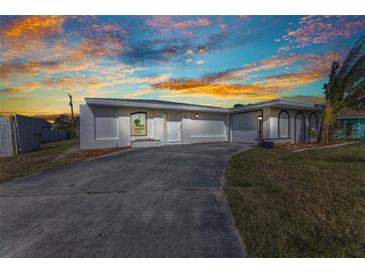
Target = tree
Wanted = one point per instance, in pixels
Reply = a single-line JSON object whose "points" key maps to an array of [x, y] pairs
{"points": [[345, 88], [63, 122], [63, 119]]}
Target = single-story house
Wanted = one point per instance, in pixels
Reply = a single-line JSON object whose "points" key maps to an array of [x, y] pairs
{"points": [[350, 125], [106, 122]]}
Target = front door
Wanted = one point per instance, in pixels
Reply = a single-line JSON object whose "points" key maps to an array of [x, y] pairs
{"points": [[174, 127]]}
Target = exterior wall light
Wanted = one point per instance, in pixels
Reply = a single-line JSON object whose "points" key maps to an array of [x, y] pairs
{"points": [[260, 117], [196, 115]]}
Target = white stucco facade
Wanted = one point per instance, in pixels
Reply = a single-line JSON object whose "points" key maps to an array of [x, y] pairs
{"points": [[107, 122], [110, 126]]}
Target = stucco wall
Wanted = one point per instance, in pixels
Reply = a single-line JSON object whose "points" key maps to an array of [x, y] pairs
{"points": [[271, 124], [102, 127]]}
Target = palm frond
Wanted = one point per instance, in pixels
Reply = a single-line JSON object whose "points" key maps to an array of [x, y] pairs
{"points": [[354, 75], [352, 56], [355, 98]]}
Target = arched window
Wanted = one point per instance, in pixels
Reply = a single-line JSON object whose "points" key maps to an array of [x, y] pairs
{"points": [[283, 124], [139, 124], [313, 127], [299, 127]]}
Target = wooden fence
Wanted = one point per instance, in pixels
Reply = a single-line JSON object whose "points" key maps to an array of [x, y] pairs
{"points": [[8, 146]]}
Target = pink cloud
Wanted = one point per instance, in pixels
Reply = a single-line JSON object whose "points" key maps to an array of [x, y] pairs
{"points": [[321, 29], [168, 23]]}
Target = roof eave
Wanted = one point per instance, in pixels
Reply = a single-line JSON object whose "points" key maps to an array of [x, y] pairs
{"points": [[276, 103], [111, 103]]}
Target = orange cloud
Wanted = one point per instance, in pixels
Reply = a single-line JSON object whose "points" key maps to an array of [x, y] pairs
{"points": [[202, 50], [10, 90], [24, 36], [139, 93], [201, 22], [27, 87], [227, 91], [34, 25], [217, 85]]}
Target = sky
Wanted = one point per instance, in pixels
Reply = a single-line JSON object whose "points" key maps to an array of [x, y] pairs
{"points": [[208, 60]]}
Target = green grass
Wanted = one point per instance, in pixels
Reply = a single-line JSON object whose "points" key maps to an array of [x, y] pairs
{"points": [[305, 204], [47, 157]]}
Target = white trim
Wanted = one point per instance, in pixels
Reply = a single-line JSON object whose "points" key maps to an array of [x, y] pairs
{"points": [[157, 105]]}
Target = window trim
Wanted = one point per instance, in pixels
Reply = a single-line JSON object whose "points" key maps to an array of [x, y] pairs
{"points": [[287, 112], [131, 123]]}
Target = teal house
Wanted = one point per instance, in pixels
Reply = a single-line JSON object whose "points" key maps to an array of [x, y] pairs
{"points": [[350, 125]]}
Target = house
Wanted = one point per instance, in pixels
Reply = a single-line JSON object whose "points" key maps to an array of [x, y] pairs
{"points": [[350, 125], [106, 122]]}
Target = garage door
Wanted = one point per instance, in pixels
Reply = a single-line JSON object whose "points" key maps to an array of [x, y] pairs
{"points": [[245, 126]]}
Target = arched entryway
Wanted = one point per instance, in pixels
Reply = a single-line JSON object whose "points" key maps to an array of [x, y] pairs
{"points": [[299, 127]]}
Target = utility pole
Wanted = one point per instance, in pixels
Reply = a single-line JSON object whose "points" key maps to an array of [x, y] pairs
{"points": [[72, 109]]}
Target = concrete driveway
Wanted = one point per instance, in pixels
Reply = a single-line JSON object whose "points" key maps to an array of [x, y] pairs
{"points": [[154, 202]]}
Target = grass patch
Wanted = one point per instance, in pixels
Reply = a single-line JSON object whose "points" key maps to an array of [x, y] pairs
{"points": [[305, 204], [49, 156]]}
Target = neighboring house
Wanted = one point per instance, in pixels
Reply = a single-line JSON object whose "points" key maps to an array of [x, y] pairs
{"points": [[123, 122], [350, 125]]}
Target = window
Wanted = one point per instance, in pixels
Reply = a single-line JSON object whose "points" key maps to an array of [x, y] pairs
{"points": [[313, 127], [283, 124], [299, 127], [139, 124]]}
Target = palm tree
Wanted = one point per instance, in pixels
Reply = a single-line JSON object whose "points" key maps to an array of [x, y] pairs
{"points": [[345, 88]]}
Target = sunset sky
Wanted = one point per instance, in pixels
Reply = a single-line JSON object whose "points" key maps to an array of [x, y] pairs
{"points": [[211, 60]]}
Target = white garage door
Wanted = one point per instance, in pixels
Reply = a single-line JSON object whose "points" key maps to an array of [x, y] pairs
{"points": [[245, 126]]}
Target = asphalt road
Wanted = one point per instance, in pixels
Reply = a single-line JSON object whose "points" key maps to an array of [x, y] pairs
{"points": [[152, 202]]}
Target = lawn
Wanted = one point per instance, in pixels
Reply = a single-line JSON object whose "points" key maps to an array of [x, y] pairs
{"points": [[51, 155], [304, 204]]}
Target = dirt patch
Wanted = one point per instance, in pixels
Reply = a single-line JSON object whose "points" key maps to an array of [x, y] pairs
{"points": [[90, 153]]}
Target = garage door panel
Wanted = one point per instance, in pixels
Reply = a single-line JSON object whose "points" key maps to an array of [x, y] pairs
{"points": [[245, 126], [244, 136]]}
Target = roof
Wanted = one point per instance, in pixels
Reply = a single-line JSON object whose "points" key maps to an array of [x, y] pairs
{"points": [[277, 103], [160, 104], [152, 104], [351, 114]]}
